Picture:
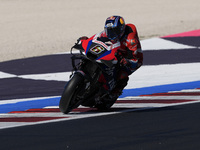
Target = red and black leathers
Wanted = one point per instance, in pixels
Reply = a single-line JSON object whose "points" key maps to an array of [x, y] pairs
{"points": [[129, 48]]}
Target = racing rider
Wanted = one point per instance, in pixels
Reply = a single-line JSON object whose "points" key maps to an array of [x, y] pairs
{"points": [[116, 30]]}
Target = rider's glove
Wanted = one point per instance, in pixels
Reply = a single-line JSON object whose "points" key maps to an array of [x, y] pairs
{"points": [[125, 62], [122, 52], [130, 64]]}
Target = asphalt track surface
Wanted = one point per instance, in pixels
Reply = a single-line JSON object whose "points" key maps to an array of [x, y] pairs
{"points": [[171, 127], [174, 128]]}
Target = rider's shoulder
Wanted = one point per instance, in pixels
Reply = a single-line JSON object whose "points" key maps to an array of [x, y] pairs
{"points": [[131, 25], [130, 29]]}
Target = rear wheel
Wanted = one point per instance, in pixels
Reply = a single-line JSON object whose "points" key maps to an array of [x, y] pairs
{"points": [[69, 99]]}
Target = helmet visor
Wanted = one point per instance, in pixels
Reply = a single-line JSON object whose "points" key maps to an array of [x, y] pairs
{"points": [[112, 33]]}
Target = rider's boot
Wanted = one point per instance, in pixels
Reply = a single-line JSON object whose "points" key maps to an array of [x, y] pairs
{"points": [[106, 100], [117, 91]]}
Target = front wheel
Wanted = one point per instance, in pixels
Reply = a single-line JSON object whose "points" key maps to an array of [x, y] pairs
{"points": [[69, 99]]}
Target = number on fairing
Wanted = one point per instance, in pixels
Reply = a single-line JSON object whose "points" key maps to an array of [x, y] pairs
{"points": [[97, 49]]}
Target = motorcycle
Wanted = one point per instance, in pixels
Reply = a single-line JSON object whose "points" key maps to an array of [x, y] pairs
{"points": [[85, 86]]}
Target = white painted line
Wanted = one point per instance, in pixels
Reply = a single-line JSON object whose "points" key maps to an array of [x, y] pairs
{"points": [[59, 76], [162, 44], [6, 75], [147, 76]]}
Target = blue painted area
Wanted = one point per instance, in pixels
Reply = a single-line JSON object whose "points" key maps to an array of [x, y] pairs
{"points": [[24, 105], [40, 103], [160, 89], [104, 54]]}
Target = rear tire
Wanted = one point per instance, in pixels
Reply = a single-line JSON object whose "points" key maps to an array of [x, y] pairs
{"points": [[68, 99]]}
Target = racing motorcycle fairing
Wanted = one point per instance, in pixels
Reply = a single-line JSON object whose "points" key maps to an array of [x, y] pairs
{"points": [[100, 51], [95, 60]]}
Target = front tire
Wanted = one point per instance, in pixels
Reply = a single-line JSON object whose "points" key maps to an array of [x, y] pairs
{"points": [[68, 99]]}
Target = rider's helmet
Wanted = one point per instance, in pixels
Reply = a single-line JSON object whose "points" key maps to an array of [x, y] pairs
{"points": [[114, 27]]}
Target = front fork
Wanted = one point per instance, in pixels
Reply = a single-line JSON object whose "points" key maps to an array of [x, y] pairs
{"points": [[90, 84]]}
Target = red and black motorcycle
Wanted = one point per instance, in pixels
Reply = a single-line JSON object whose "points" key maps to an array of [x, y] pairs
{"points": [[85, 87]]}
